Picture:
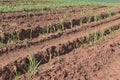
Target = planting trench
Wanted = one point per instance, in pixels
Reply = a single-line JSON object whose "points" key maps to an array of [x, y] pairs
{"points": [[52, 36], [98, 62], [37, 27], [56, 43], [23, 14], [61, 45]]}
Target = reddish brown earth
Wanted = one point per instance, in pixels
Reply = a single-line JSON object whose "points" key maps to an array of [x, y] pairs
{"points": [[98, 62], [25, 33], [77, 59], [23, 25]]}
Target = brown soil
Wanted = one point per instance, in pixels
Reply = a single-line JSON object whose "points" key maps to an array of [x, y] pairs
{"points": [[24, 32], [98, 62], [61, 42], [23, 26], [17, 45]]}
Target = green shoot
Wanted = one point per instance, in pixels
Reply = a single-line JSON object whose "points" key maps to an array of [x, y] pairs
{"points": [[31, 34], [54, 29], [47, 30], [96, 37], [18, 37], [71, 24], [88, 40], [89, 19], [62, 26], [111, 31], [101, 34], [81, 22], [110, 14], [50, 58], [16, 73], [33, 65]]}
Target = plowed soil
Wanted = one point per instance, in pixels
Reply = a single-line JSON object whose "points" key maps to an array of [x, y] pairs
{"points": [[71, 43], [97, 62]]}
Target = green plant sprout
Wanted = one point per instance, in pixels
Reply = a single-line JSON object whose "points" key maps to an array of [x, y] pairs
{"points": [[47, 30], [33, 65], [16, 73], [71, 24], [111, 31], [95, 18], [50, 58], [62, 25], [18, 37], [88, 39], [81, 22], [110, 14], [1, 44], [102, 34], [31, 32], [54, 29], [89, 19], [96, 37]]}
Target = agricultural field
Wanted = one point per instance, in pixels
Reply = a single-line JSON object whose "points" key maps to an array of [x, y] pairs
{"points": [[59, 40]]}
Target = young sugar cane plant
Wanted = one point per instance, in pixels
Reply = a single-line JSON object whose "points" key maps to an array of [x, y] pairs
{"points": [[31, 32], [102, 34], [62, 25], [10, 39], [16, 73], [111, 31], [54, 28], [89, 19], [71, 24], [110, 14], [33, 65], [1, 44], [88, 39], [96, 37], [18, 37], [81, 22]]}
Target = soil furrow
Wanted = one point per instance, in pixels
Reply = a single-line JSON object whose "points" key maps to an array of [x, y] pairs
{"points": [[54, 47], [90, 63], [23, 44], [20, 14], [25, 33]]}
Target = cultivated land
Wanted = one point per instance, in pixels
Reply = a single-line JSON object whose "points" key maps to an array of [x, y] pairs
{"points": [[78, 42]]}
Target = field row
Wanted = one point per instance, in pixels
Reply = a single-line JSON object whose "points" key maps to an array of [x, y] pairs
{"points": [[23, 49]]}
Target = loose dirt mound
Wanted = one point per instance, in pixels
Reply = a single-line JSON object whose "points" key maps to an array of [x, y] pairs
{"points": [[47, 36], [98, 62]]}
